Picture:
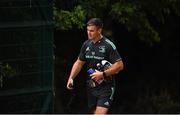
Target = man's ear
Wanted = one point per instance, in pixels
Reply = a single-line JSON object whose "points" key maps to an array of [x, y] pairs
{"points": [[100, 30]]}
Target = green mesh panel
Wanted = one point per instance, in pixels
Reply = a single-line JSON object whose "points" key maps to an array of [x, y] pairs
{"points": [[26, 56]]}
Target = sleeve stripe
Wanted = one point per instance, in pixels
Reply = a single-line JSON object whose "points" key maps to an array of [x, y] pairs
{"points": [[113, 46]]}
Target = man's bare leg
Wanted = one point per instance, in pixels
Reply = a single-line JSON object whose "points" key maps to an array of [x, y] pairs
{"points": [[100, 110]]}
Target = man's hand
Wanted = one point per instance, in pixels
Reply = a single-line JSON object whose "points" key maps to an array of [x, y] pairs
{"points": [[98, 77], [70, 84]]}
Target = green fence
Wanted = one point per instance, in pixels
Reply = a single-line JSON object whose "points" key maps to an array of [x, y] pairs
{"points": [[26, 56]]}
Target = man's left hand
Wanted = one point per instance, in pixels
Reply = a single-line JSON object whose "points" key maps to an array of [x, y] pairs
{"points": [[98, 77]]}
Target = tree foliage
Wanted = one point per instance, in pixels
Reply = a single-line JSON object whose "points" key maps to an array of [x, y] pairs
{"points": [[67, 19], [135, 20], [141, 17], [138, 15]]}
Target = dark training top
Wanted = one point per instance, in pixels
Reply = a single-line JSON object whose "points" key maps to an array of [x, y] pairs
{"points": [[103, 49]]}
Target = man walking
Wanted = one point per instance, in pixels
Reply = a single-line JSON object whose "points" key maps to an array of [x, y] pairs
{"points": [[103, 61]]}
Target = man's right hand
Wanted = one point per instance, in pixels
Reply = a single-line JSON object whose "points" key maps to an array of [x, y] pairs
{"points": [[70, 84]]}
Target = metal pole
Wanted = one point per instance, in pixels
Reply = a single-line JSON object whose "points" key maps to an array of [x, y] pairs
{"points": [[30, 3], [1, 75]]}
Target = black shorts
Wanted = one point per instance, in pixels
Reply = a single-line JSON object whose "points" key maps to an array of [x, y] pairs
{"points": [[100, 96]]}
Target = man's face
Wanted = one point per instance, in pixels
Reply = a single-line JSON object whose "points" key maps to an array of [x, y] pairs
{"points": [[93, 32]]}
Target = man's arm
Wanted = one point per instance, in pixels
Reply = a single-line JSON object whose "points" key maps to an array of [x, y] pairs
{"points": [[74, 71], [114, 69]]}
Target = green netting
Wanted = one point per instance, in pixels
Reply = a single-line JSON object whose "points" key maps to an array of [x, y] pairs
{"points": [[26, 56]]}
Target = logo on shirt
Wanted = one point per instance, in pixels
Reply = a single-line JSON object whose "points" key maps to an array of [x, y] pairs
{"points": [[87, 49], [102, 49], [93, 53], [106, 103]]}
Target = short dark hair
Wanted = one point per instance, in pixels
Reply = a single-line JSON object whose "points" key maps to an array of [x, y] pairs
{"points": [[95, 21]]}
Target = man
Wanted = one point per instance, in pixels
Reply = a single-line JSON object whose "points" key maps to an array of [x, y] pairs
{"points": [[100, 84]]}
